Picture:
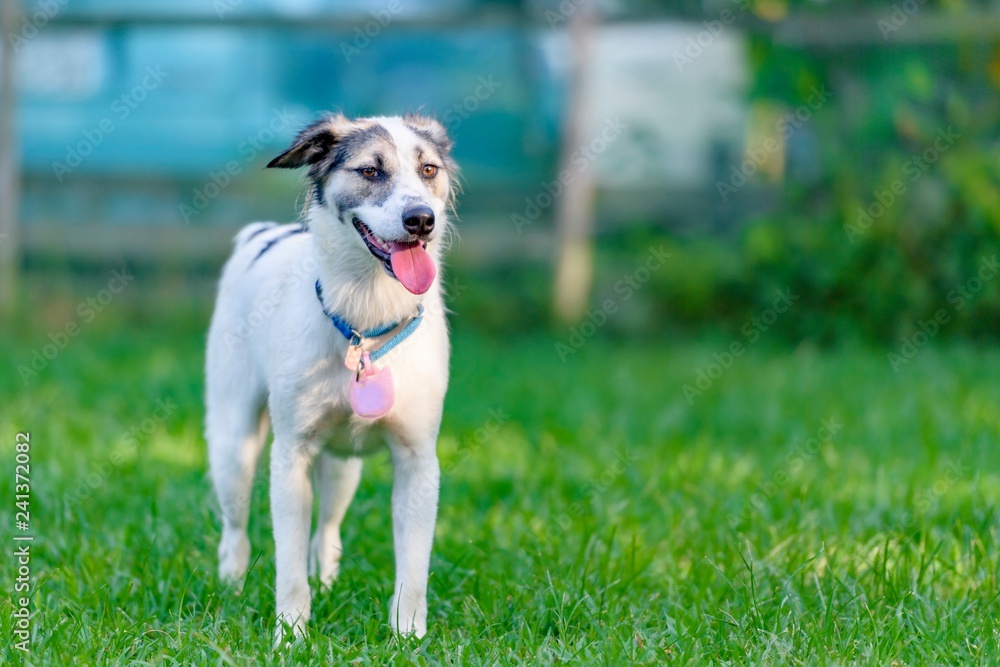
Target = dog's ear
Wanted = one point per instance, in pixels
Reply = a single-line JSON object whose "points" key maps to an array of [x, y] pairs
{"points": [[431, 130], [312, 144]]}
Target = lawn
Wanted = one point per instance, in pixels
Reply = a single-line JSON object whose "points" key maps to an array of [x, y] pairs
{"points": [[810, 507]]}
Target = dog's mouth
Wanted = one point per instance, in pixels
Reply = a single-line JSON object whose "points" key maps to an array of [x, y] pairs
{"points": [[376, 246], [407, 262]]}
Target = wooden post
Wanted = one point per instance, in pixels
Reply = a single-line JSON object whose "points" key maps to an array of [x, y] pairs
{"points": [[10, 181], [574, 272]]}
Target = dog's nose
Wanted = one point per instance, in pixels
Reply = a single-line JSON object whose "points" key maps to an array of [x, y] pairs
{"points": [[419, 220]]}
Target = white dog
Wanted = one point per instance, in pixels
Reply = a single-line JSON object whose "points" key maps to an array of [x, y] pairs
{"points": [[336, 326]]}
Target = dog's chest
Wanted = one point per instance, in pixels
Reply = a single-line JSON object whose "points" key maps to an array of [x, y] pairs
{"points": [[322, 390], [328, 420]]}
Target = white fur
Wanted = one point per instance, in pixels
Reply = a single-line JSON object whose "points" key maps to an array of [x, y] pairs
{"points": [[270, 344]]}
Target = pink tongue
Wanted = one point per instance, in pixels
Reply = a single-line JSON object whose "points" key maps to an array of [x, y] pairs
{"points": [[413, 266]]}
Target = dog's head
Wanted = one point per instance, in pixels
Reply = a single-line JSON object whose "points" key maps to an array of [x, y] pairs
{"points": [[388, 180]]}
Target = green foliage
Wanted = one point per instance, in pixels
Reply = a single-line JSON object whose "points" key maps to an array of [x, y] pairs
{"points": [[887, 214], [906, 207]]}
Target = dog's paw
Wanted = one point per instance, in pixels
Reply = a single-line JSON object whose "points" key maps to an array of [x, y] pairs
{"points": [[286, 634], [324, 558], [411, 622], [410, 628], [234, 559]]}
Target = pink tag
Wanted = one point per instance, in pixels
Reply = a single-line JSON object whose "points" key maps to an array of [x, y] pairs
{"points": [[372, 390], [353, 357]]}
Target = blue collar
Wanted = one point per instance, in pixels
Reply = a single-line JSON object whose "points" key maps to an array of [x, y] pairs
{"points": [[355, 337]]}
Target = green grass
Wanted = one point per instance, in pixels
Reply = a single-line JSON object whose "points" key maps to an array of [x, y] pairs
{"points": [[606, 520]]}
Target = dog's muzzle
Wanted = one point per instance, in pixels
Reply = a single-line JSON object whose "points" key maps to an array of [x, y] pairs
{"points": [[407, 262]]}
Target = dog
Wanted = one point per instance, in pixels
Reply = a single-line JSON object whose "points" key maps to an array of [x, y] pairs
{"points": [[302, 312]]}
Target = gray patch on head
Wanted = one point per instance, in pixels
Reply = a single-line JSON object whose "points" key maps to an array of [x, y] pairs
{"points": [[356, 143], [347, 201], [440, 145], [377, 192], [430, 153], [375, 141]]}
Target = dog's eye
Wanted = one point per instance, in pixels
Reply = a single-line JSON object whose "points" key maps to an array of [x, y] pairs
{"points": [[369, 172], [429, 171]]}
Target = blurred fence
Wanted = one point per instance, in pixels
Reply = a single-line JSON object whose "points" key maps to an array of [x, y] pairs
{"points": [[142, 117], [778, 129]]}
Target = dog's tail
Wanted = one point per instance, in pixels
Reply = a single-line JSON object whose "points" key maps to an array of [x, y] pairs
{"points": [[250, 231]]}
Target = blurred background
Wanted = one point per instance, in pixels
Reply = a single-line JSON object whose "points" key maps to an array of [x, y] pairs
{"points": [[844, 150]]}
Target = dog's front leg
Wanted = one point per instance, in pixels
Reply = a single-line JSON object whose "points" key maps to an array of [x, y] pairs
{"points": [[414, 513], [291, 511]]}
